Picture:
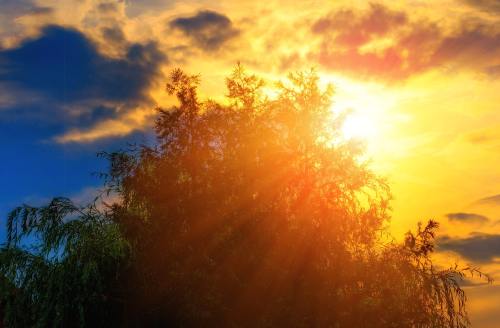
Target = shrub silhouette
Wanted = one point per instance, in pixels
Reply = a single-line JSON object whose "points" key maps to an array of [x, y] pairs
{"points": [[251, 213]]}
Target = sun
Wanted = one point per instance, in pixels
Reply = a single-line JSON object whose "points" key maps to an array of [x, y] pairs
{"points": [[367, 107], [359, 126]]}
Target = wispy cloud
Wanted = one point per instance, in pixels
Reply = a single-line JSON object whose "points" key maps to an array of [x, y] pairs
{"points": [[123, 125], [490, 200], [467, 217], [477, 247]]}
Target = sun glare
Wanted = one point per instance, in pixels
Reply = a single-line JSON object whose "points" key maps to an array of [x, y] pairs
{"points": [[368, 106], [358, 126]]}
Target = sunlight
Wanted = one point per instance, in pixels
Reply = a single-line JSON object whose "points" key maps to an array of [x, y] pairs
{"points": [[369, 107], [359, 126], [364, 114]]}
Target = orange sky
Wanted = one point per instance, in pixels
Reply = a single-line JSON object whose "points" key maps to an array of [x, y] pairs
{"points": [[421, 77]]}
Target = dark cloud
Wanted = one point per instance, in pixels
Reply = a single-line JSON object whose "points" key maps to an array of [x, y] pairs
{"points": [[473, 44], [95, 114], [467, 217], [491, 6], [107, 7], [15, 8], [471, 281], [490, 200], [477, 247], [385, 44], [208, 30], [136, 8], [12, 10], [65, 65], [466, 282], [113, 34], [70, 79], [42, 10]]}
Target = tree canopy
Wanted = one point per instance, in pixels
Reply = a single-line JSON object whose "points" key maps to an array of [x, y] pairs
{"points": [[254, 212]]}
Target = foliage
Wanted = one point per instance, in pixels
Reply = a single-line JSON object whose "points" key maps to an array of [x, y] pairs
{"points": [[258, 213], [415, 292], [61, 262], [255, 212]]}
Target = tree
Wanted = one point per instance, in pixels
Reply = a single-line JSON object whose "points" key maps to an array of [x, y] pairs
{"points": [[258, 213], [255, 212], [61, 265]]}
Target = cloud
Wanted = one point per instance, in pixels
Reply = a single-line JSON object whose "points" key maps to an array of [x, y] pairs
{"points": [[113, 127], [355, 30], [65, 65], [94, 195], [136, 8], [490, 200], [208, 30], [67, 79], [474, 44], [477, 247], [15, 8], [491, 6], [467, 217], [466, 282], [386, 44], [113, 34], [107, 7], [493, 70], [484, 136], [13, 12]]}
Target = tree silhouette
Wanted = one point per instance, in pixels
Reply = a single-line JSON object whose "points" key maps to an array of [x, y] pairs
{"points": [[255, 212], [60, 264]]}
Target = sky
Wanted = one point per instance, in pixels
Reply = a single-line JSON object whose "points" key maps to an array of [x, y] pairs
{"points": [[422, 79]]}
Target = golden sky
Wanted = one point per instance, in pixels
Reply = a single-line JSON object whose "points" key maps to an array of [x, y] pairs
{"points": [[422, 79]]}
